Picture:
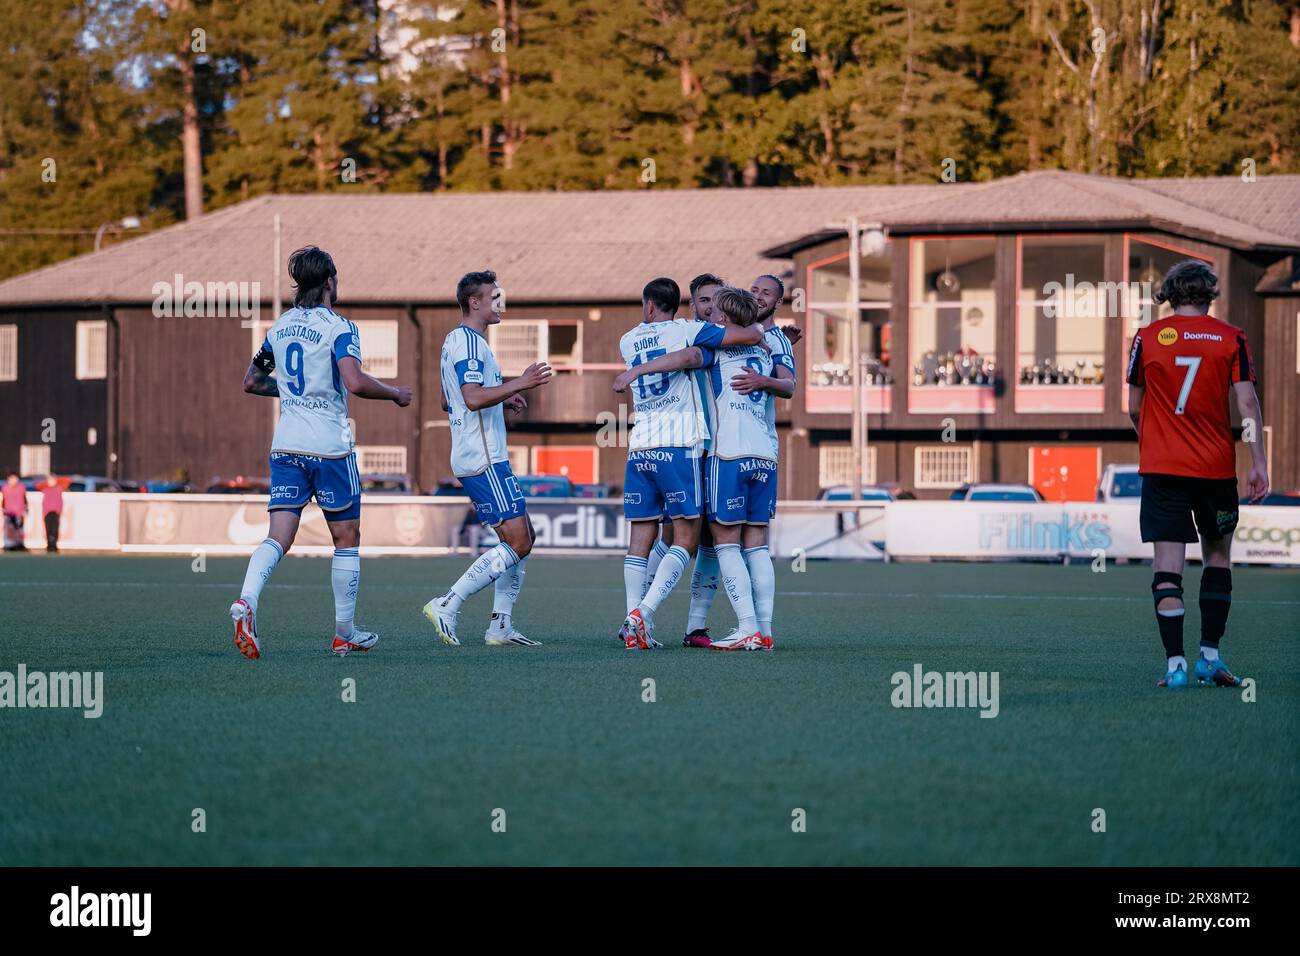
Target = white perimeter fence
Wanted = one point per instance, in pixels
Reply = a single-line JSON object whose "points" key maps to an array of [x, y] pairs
{"points": [[405, 525]]}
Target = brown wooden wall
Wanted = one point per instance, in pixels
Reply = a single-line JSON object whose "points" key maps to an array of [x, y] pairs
{"points": [[47, 388], [178, 403], [182, 407], [1277, 360]]}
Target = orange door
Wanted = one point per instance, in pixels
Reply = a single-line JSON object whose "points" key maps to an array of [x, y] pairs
{"points": [[578, 464], [1065, 472]]}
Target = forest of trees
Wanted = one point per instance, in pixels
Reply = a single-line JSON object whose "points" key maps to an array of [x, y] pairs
{"points": [[164, 109]]}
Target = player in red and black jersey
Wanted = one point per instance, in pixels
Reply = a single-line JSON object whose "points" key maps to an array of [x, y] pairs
{"points": [[1181, 370]]}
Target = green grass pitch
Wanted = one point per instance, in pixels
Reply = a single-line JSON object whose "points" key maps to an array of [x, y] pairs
{"points": [[711, 772]]}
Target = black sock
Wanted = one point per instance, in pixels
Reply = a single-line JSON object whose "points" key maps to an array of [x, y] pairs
{"points": [[1216, 602], [1170, 623]]}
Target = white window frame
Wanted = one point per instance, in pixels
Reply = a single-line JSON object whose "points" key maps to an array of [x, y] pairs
{"points": [[835, 310], [955, 476], [835, 465], [392, 458], [8, 353], [376, 358], [520, 457], [34, 460], [88, 370], [574, 365], [511, 363]]}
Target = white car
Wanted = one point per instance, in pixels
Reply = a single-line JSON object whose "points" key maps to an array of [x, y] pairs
{"points": [[1120, 483], [989, 491]]}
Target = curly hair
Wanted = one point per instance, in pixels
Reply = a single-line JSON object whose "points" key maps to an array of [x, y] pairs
{"points": [[1190, 282]]}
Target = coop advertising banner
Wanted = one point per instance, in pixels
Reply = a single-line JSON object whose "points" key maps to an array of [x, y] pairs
{"points": [[962, 529]]}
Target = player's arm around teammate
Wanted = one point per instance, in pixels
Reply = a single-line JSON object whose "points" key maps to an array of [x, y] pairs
{"points": [[692, 357], [780, 383]]}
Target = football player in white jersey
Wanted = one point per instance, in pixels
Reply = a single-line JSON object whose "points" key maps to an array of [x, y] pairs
{"points": [[316, 357], [663, 467], [476, 399], [770, 292], [740, 486]]}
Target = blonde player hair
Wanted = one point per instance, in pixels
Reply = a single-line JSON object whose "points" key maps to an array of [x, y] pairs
{"points": [[737, 305]]}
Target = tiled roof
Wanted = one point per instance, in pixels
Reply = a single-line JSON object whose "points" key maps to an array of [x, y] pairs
{"points": [[413, 247], [604, 246]]}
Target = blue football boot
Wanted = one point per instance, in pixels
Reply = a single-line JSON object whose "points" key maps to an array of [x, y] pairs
{"points": [[1175, 678], [1215, 672]]}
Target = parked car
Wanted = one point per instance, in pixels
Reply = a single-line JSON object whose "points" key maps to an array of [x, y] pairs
{"points": [[92, 483], [1119, 483], [392, 484], [132, 487], [545, 486], [239, 486], [448, 489], [1283, 498], [601, 489], [987, 491], [169, 487], [869, 493]]}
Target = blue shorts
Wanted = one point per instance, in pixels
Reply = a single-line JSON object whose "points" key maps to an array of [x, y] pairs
{"points": [[662, 483], [333, 482], [741, 490], [495, 493]]}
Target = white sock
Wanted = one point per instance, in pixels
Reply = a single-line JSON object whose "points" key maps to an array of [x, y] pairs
{"points": [[651, 568], [704, 588], [260, 565], [636, 580], [345, 575], [762, 576], [670, 569], [489, 566], [508, 586], [735, 578], [1177, 662], [1210, 653]]}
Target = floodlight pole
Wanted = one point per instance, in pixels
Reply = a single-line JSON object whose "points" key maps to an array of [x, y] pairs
{"points": [[858, 436], [275, 310]]}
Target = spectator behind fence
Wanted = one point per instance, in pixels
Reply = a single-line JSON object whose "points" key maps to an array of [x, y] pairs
{"points": [[52, 508], [14, 498]]}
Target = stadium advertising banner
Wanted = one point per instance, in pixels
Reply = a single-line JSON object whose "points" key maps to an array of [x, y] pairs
{"points": [[393, 524], [237, 523], [1007, 529], [89, 522]]}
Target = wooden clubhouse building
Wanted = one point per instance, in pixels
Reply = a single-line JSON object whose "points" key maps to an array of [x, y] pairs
{"points": [[994, 322]]}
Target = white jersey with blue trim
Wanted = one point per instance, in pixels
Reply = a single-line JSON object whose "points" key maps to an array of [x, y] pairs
{"points": [[741, 428], [670, 411], [304, 347], [783, 355], [478, 439]]}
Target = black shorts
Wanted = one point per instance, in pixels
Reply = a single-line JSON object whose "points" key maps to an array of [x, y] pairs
{"points": [[1177, 508]]}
